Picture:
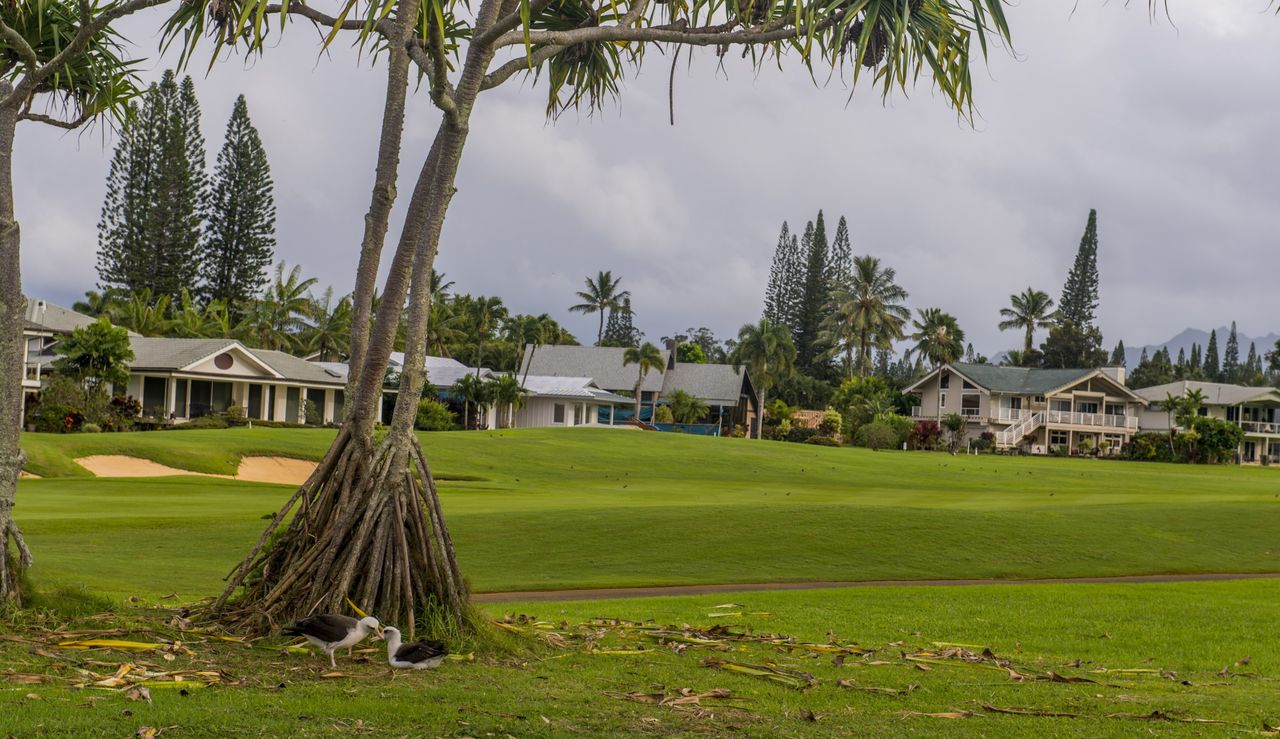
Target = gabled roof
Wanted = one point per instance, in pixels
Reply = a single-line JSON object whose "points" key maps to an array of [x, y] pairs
{"points": [[1021, 380], [604, 364], [157, 353], [296, 368], [720, 384], [1215, 393], [442, 372], [43, 316]]}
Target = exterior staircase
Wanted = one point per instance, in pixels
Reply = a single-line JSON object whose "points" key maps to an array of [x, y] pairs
{"points": [[1015, 433]]}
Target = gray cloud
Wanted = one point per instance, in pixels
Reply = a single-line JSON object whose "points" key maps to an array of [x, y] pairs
{"points": [[1167, 131]]}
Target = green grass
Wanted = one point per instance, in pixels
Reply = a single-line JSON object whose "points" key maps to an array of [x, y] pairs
{"points": [[549, 509], [1188, 631], [543, 509]]}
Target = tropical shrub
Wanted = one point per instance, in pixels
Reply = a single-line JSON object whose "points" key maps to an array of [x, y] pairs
{"points": [[803, 391], [663, 415], [121, 413], [877, 435], [685, 408], [954, 424], [91, 428], [822, 440], [1085, 446], [800, 434], [925, 435], [861, 400], [1218, 440], [784, 428], [235, 414], [311, 413], [776, 412], [831, 422], [434, 416]]}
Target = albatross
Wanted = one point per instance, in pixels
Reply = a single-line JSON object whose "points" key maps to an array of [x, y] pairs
{"points": [[332, 632], [418, 655]]}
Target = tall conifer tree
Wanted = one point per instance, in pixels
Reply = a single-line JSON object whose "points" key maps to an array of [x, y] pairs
{"points": [[149, 233], [1211, 369], [817, 291], [841, 259], [1076, 342], [1117, 355], [776, 294], [239, 238], [1231, 357]]}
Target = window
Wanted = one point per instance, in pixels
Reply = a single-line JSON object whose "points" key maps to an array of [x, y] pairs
{"points": [[1114, 409], [945, 380], [292, 399], [316, 396], [180, 402], [969, 404], [969, 385], [254, 409], [1015, 403], [1038, 399], [577, 415], [1203, 411], [1087, 406], [339, 401], [942, 400], [557, 413], [153, 396], [1233, 413], [1057, 438], [1063, 406]]}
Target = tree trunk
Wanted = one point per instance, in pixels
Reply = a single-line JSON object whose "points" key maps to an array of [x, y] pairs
{"points": [[384, 192], [369, 525], [1031, 337], [12, 308], [639, 382], [600, 331]]}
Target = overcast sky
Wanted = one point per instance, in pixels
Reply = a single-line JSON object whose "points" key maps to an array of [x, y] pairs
{"points": [[1168, 130]]}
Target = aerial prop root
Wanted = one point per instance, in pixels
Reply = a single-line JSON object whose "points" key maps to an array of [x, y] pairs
{"points": [[366, 524]]}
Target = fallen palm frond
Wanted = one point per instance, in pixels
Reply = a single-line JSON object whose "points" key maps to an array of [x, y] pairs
{"points": [[1159, 715], [130, 675], [1031, 712], [793, 679], [112, 644], [942, 714], [851, 685], [680, 699]]}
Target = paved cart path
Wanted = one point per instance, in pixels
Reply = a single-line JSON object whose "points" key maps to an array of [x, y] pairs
{"points": [[659, 591]]}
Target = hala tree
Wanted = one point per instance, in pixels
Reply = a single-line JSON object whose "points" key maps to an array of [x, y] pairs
{"points": [[239, 238], [368, 521], [61, 64]]}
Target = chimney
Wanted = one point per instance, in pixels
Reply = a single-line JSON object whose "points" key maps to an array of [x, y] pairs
{"points": [[1115, 373], [671, 354]]}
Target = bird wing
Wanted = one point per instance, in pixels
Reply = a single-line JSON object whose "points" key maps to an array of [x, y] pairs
{"points": [[421, 651], [328, 627]]}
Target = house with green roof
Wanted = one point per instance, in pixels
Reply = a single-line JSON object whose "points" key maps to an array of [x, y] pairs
{"points": [[1036, 410]]}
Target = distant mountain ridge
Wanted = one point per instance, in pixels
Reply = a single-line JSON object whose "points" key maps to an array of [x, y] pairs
{"points": [[1189, 336]]}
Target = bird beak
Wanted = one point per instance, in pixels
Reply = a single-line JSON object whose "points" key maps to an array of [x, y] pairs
{"points": [[379, 634]]}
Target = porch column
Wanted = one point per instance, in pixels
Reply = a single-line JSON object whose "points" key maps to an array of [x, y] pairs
{"points": [[612, 407], [171, 396]]}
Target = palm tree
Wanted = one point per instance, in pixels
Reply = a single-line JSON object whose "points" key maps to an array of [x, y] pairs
{"points": [[646, 357], [439, 285], [938, 337], [1031, 310], [1014, 358], [443, 328], [865, 314], [99, 303], [530, 331], [281, 311], [685, 408], [472, 390], [329, 332], [602, 294], [189, 320], [143, 314], [486, 314], [769, 354], [506, 392]]}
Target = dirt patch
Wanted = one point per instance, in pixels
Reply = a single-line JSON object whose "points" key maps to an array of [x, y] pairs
{"points": [[24, 475], [119, 465], [280, 470]]}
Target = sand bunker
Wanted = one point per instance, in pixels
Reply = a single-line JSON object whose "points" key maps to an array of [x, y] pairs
{"points": [[252, 469], [24, 475], [275, 469]]}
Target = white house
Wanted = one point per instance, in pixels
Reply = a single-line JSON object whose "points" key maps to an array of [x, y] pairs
{"points": [[1256, 410], [566, 401]]}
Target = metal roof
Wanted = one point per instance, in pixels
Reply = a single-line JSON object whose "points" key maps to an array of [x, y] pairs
{"points": [[547, 386], [1216, 393], [604, 364]]}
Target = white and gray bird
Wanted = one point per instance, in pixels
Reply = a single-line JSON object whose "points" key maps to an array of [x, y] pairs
{"points": [[332, 632], [417, 655]]}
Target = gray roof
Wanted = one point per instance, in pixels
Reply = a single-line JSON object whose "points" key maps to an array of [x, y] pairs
{"points": [[601, 363], [168, 355], [157, 353], [1021, 380], [1215, 393], [298, 369], [442, 372], [42, 315], [720, 384], [569, 387]]}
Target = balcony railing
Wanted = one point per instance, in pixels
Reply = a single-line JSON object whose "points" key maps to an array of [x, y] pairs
{"points": [[1260, 427], [1008, 415], [1104, 420]]}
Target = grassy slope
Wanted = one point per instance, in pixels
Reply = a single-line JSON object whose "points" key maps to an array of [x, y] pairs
{"points": [[1193, 630], [583, 508]]}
